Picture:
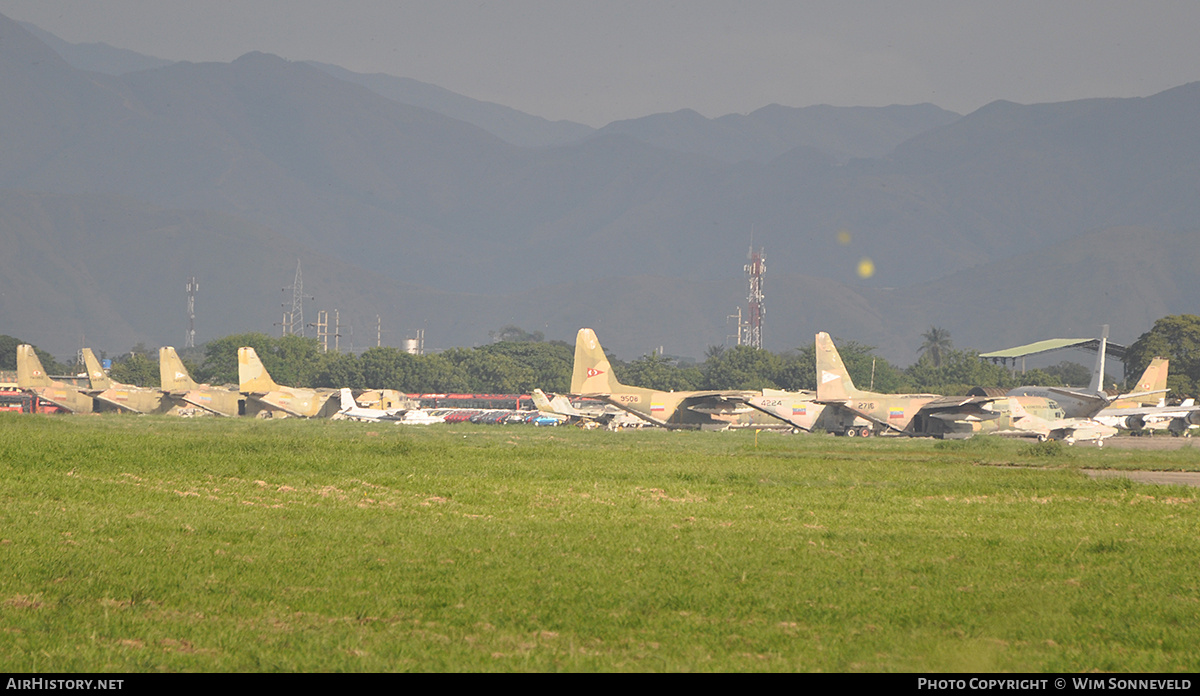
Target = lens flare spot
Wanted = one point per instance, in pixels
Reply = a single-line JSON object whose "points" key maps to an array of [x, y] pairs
{"points": [[843, 237], [866, 268]]}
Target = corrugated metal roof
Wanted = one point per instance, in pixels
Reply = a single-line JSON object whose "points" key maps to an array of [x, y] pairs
{"points": [[1113, 349]]}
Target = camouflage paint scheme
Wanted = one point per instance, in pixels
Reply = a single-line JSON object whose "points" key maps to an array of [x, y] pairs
{"points": [[908, 414], [176, 381], [709, 410], [126, 397], [272, 399], [1034, 416], [801, 410], [32, 377]]}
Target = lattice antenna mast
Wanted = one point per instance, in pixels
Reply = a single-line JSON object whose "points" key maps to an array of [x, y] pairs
{"points": [[755, 271], [294, 320], [192, 288]]}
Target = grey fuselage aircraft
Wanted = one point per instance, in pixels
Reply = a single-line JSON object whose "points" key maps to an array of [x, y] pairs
{"points": [[1086, 403]]}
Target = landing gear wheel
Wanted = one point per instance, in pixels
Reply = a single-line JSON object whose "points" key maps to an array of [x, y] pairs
{"points": [[851, 432], [1099, 442], [864, 431], [1041, 438]]}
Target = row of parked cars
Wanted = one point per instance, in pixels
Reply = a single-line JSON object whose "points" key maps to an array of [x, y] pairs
{"points": [[494, 416]]}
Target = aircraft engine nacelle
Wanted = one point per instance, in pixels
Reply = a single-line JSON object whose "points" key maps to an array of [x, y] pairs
{"points": [[1192, 418], [1133, 423], [1179, 426]]}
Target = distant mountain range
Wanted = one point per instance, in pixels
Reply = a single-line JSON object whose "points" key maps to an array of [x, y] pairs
{"points": [[430, 210]]}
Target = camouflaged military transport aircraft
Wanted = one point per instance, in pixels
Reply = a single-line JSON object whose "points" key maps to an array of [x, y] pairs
{"points": [[179, 384], [126, 397], [801, 410], [256, 383], [709, 410], [908, 414], [31, 376]]}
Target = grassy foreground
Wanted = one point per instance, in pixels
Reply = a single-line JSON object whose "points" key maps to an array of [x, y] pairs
{"points": [[144, 544]]}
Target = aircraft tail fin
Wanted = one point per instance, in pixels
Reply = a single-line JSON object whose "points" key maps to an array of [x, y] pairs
{"points": [[1097, 384], [172, 373], [558, 406], [97, 377], [30, 372], [347, 399], [833, 381], [1149, 390], [593, 373], [252, 375], [542, 403]]}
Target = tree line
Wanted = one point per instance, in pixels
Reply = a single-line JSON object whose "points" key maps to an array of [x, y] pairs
{"points": [[519, 362]]}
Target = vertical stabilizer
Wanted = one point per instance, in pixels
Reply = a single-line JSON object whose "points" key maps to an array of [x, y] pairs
{"points": [[347, 399], [252, 376], [171, 372], [30, 373], [97, 377], [542, 403], [833, 381], [592, 374], [1097, 384]]}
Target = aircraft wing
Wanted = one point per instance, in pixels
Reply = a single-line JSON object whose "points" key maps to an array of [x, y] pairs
{"points": [[607, 398], [1095, 403], [72, 400], [719, 402], [867, 415]]}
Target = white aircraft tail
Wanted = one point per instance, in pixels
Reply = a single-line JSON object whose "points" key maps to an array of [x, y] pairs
{"points": [[1097, 384]]}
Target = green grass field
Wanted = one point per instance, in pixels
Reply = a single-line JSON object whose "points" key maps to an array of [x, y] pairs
{"points": [[147, 544]]}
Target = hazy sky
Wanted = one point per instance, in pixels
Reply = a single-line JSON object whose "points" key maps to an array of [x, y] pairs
{"points": [[596, 61]]}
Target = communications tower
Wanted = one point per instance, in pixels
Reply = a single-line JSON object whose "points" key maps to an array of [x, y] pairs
{"points": [[755, 270], [192, 287]]}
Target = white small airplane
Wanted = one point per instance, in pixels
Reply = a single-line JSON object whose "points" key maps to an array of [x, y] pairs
{"points": [[350, 410]]}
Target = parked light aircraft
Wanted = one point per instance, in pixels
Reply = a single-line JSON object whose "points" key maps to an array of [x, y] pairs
{"points": [[593, 377], [1069, 430], [561, 409], [352, 411], [176, 381], [1080, 403], [909, 414], [31, 376], [256, 383], [126, 397]]}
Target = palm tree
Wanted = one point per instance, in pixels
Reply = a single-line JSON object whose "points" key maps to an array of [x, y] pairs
{"points": [[937, 344]]}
